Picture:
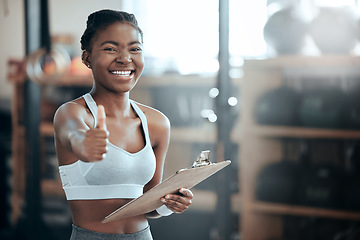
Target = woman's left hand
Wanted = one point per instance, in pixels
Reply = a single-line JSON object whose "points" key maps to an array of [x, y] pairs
{"points": [[178, 202]]}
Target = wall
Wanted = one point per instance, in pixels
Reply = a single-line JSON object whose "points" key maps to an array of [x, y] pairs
{"points": [[12, 41]]}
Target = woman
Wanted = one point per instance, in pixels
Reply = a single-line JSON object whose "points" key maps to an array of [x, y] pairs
{"points": [[110, 148]]}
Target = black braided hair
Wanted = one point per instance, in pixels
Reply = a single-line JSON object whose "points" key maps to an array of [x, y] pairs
{"points": [[101, 19]]}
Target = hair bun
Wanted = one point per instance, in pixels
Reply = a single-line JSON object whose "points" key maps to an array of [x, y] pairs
{"points": [[103, 18]]}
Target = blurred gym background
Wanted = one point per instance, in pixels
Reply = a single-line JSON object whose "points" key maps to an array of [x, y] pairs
{"points": [[273, 85]]}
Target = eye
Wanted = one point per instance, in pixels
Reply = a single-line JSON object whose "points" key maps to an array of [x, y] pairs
{"points": [[136, 49], [109, 49]]}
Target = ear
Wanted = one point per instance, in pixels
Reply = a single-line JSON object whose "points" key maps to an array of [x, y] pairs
{"points": [[86, 59]]}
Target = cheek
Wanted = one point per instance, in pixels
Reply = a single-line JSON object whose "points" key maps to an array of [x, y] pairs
{"points": [[140, 62], [102, 62]]}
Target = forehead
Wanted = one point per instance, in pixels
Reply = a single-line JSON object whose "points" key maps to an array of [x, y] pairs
{"points": [[118, 32]]}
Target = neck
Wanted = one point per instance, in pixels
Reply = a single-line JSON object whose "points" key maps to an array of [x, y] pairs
{"points": [[114, 104]]}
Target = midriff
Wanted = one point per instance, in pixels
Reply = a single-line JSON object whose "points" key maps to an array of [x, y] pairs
{"points": [[88, 214]]}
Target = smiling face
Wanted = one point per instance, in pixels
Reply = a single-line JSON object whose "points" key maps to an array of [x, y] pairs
{"points": [[116, 57]]}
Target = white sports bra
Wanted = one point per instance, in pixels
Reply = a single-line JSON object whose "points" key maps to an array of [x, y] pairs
{"points": [[119, 175]]}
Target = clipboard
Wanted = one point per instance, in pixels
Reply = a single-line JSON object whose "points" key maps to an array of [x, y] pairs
{"points": [[186, 178]]}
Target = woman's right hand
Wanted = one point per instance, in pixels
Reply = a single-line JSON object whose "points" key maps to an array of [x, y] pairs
{"points": [[92, 145]]}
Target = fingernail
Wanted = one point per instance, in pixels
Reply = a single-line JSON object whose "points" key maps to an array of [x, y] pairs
{"points": [[162, 200], [167, 196]]}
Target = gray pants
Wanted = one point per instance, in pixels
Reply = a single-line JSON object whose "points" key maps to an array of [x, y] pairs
{"points": [[84, 234]]}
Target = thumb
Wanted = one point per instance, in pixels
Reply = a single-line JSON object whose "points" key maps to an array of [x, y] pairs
{"points": [[101, 117]]}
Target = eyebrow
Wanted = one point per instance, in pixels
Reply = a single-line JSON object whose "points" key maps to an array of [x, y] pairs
{"points": [[111, 42], [117, 44]]}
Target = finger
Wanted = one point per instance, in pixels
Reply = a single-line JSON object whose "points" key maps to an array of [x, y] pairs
{"points": [[186, 192], [176, 200], [98, 157], [101, 118], [176, 206], [176, 209], [101, 145], [100, 150]]}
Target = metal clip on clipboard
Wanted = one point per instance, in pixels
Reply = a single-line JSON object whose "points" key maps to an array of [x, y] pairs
{"points": [[203, 159]]}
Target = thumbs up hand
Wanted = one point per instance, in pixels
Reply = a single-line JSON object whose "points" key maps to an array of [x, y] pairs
{"points": [[101, 118], [96, 139]]}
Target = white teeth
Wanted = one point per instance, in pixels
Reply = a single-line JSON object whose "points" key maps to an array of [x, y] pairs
{"points": [[122, 73]]}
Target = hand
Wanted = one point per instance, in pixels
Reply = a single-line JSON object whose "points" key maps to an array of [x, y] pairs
{"points": [[96, 139], [178, 202]]}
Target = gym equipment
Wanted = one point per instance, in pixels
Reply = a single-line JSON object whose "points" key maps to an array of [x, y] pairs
{"points": [[285, 31], [277, 107], [310, 228], [322, 108], [351, 199], [334, 30], [352, 111], [44, 66], [320, 186], [351, 196], [276, 182], [182, 105]]}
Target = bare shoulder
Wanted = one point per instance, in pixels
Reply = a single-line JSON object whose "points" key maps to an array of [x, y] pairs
{"points": [[158, 123], [154, 116], [75, 109]]}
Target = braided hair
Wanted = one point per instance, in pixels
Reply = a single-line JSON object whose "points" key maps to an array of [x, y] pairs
{"points": [[99, 20]]}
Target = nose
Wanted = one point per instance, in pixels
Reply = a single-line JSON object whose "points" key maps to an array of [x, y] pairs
{"points": [[124, 58]]}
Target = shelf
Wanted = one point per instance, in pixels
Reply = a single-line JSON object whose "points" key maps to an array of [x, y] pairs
{"points": [[75, 80], [193, 134], [207, 200], [282, 209], [299, 132], [308, 62], [264, 144], [176, 80]]}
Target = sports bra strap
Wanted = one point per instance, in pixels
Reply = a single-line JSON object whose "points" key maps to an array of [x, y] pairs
{"points": [[143, 119], [92, 106]]}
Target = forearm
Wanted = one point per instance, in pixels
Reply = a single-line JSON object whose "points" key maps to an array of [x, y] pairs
{"points": [[162, 211], [153, 215]]}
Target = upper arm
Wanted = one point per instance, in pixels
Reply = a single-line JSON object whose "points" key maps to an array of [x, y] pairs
{"points": [[69, 119], [159, 131]]}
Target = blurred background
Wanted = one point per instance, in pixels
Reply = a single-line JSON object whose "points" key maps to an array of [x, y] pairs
{"points": [[272, 85]]}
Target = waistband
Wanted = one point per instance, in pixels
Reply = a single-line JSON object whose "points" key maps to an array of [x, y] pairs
{"points": [[79, 233]]}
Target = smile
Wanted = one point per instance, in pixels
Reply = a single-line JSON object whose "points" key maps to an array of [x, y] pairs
{"points": [[121, 73]]}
